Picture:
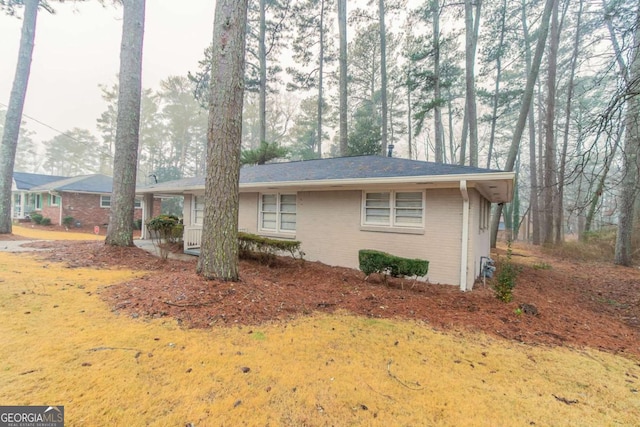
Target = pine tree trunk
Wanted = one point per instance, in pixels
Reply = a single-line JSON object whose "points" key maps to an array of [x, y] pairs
{"points": [[496, 91], [540, 151], [550, 144], [524, 108], [463, 137], [342, 29], [565, 143], [595, 200], [631, 151], [470, 56], [383, 76], [320, 81], [219, 249], [13, 117], [262, 53], [125, 161], [437, 96], [452, 150], [533, 196], [409, 120]]}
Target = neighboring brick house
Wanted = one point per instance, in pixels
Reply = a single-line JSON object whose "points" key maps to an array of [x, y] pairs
{"points": [[86, 199], [23, 202]]}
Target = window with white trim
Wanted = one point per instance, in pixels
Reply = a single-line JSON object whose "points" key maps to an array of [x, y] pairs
{"points": [[485, 214], [54, 200], [198, 210], [277, 212], [38, 202], [393, 208], [105, 202]]}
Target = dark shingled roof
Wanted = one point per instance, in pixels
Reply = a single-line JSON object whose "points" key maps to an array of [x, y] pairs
{"points": [[26, 181], [361, 167], [80, 184], [354, 172], [337, 168]]}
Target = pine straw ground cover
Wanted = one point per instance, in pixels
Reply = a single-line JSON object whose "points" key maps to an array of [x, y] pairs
{"points": [[148, 343]]}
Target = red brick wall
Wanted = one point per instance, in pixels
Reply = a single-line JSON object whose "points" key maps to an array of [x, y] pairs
{"points": [[85, 208]]}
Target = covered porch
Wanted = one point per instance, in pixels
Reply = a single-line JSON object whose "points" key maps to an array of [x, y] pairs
{"points": [[192, 234], [192, 239]]}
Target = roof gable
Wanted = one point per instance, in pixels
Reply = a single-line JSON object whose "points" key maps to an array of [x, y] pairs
{"points": [[96, 183], [26, 181]]}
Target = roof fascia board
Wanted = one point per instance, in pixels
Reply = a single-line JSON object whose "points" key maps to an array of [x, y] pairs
{"points": [[337, 183]]}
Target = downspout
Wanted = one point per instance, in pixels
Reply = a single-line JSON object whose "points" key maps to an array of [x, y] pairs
{"points": [[59, 209], [464, 250]]}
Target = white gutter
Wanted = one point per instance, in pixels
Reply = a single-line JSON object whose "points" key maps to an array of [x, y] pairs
{"points": [[465, 235], [387, 181]]}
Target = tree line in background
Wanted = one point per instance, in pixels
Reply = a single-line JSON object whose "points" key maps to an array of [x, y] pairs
{"points": [[547, 88]]}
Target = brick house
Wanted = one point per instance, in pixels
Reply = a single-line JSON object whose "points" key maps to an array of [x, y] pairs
{"points": [[23, 201], [335, 207], [86, 199]]}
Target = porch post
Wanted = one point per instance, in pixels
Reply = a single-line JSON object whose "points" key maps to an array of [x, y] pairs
{"points": [[147, 214]]}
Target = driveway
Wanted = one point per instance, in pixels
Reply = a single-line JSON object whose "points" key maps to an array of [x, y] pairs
{"points": [[147, 245], [16, 246]]}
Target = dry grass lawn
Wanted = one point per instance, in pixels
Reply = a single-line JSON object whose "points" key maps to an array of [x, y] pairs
{"points": [[61, 345], [53, 234]]}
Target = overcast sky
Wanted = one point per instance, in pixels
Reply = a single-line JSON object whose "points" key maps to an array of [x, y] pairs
{"points": [[78, 48]]}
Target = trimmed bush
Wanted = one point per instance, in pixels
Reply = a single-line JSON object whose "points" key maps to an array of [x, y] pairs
{"points": [[383, 263], [45, 221], [37, 218], [266, 248], [165, 231], [166, 227], [67, 221]]}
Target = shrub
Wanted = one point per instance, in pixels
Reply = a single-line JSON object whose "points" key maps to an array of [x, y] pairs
{"points": [[505, 280], [137, 224], [166, 227], [45, 221], [266, 248], [67, 221], [36, 217], [383, 263], [165, 231], [177, 232]]}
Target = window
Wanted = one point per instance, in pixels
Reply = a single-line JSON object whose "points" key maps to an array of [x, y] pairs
{"points": [[278, 212], [377, 208], [38, 202], [485, 214], [394, 209], [198, 209], [408, 209], [105, 202], [54, 200], [288, 212]]}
